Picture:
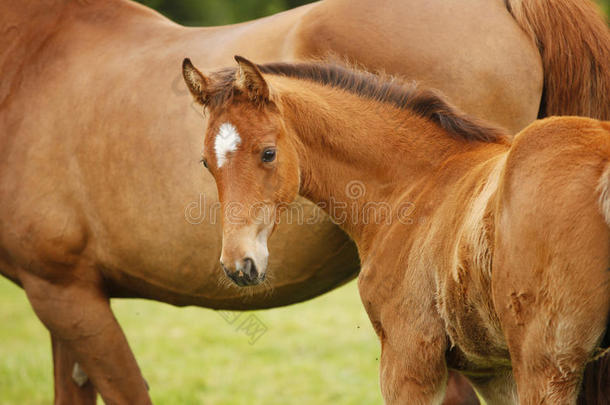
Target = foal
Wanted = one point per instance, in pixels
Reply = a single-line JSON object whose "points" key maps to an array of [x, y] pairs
{"points": [[477, 255]]}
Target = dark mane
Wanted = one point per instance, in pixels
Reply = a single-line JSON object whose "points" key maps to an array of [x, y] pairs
{"points": [[426, 103]]}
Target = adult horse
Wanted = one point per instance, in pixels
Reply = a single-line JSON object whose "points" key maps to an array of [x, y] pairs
{"points": [[99, 147], [477, 254]]}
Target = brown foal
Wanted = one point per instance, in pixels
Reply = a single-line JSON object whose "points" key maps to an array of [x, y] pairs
{"points": [[478, 255]]}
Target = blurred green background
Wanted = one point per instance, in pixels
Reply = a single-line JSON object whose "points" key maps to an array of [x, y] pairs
{"points": [[323, 351], [220, 12], [605, 4]]}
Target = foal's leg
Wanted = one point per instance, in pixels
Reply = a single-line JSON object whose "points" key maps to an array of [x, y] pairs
{"points": [[413, 344], [553, 303], [412, 368], [73, 306], [67, 391], [549, 356]]}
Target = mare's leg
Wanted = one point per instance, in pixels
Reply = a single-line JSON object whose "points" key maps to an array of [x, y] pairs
{"points": [[459, 391], [67, 391], [413, 344], [73, 306], [498, 389]]}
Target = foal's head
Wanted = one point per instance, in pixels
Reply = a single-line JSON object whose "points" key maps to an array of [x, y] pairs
{"points": [[249, 153]]}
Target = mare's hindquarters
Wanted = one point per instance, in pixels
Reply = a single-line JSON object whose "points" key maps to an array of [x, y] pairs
{"points": [[574, 43]]}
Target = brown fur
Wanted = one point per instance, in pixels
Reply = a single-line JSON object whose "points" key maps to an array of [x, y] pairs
{"points": [[574, 43], [426, 103], [500, 273]]}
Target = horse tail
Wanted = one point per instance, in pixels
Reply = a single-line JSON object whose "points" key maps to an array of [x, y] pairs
{"points": [[574, 43], [596, 380]]}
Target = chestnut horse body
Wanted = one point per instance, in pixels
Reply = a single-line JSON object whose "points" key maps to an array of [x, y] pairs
{"points": [[100, 188], [478, 255]]}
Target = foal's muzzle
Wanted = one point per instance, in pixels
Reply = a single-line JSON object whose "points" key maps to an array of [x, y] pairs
{"points": [[245, 273]]}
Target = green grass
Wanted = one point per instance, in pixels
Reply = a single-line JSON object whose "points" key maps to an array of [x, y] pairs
{"points": [[319, 352]]}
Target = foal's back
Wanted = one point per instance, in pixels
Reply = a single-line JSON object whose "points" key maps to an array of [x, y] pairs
{"points": [[566, 155]]}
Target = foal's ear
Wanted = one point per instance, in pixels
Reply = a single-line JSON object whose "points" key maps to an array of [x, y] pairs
{"points": [[250, 80], [196, 82]]}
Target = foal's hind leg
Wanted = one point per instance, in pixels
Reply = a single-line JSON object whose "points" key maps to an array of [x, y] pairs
{"points": [[549, 354], [67, 391], [72, 305], [552, 302]]}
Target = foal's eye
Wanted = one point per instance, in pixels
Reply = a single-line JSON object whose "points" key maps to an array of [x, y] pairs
{"points": [[204, 162], [268, 155]]}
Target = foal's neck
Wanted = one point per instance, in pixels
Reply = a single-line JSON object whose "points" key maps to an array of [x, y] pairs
{"points": [[362, 157]]}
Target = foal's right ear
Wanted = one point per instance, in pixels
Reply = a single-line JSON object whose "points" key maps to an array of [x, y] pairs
{"points": [[196, 82]]}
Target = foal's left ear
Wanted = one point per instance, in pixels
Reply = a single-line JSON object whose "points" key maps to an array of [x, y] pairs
{"points": [[250, 80], [196, 82]]}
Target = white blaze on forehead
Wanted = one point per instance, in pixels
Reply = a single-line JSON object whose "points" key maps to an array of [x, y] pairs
{"points": [[226, 141]]}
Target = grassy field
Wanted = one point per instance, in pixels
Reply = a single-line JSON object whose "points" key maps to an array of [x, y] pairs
{"points": [[319, 352]]}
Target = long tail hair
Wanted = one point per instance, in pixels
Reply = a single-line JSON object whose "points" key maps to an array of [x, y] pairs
{"points": [[574, 43]]}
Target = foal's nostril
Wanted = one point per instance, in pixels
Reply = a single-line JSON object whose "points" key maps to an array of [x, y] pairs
{"points": [[245, 273], [250, 268]]}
